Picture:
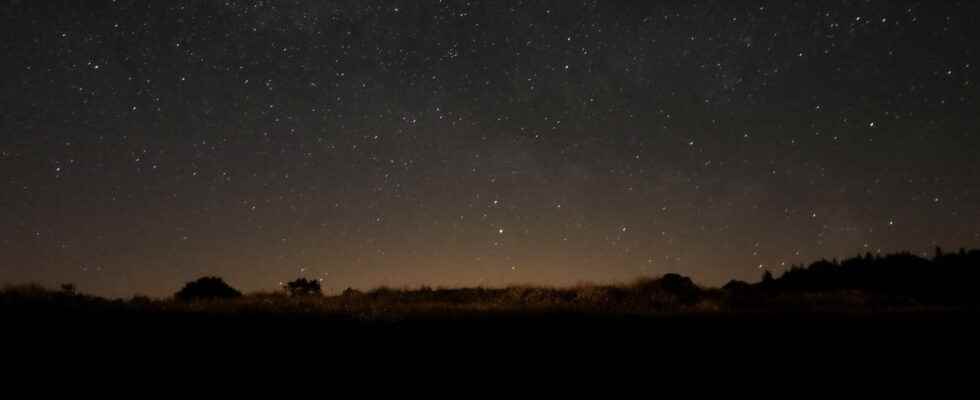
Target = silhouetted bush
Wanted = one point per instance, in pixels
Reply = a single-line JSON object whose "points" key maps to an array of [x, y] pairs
{"points": [[303, 287], [767, 277], [68, 288], [734, 285], [207, 288], [670, 290], [601, 297]]}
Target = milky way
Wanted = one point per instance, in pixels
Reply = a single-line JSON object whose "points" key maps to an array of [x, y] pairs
{"points": [[146, 143]]}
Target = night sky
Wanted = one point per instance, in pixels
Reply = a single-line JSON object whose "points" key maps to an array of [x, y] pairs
{"points": [[144, 144]]}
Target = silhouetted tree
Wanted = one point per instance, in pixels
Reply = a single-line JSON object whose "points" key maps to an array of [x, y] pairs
{"points": [[767, 277], [303, 287], [207, 288], [948, 278]]}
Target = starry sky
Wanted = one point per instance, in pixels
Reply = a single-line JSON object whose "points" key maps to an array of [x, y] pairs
{"points": [[144, 144]]}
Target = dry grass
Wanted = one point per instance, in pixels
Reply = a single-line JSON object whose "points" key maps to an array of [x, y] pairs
{"points": [[668, 295]]}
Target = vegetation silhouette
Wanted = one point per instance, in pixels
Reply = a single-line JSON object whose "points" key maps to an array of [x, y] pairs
{"points": [[946, 279], [303, 287], [207, 288], [867, 284]]}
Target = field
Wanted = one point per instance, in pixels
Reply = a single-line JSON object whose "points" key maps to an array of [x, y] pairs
{"points": [[867, 303]]}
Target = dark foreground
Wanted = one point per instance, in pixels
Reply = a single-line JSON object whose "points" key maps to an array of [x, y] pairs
{"points": [[898, 311], [496, 347], [937, 332]]}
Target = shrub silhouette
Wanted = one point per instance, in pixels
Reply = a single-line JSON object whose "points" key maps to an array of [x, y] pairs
{"points": [[679, 284], [735, 284], [207, 288], [669, 290], [767, 278], [303, 287], [68, 288]]}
